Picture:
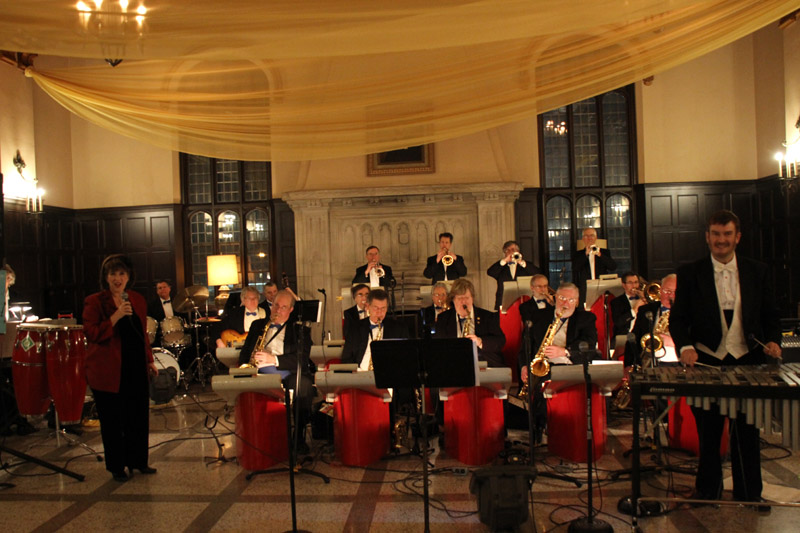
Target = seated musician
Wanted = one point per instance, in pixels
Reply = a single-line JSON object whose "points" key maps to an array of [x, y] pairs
{"points": [[272, 346], [437, 268], [724, 314], [654, 318], [270, 290], [355, 313], [375, 326], [431, 313], [625, 306], [370, 274], [541, 298], [236, 322], [574, 326], [509, 268], [464, 319]]}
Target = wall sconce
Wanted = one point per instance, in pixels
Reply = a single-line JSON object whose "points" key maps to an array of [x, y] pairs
{"points": [[33, 195], [222, 271]]}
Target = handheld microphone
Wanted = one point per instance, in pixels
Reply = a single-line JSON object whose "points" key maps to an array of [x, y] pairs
{"points": [[125, 298]]}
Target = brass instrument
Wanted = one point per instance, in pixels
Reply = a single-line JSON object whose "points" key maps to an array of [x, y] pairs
{"points": [[594, 249], [622, 399], [261, 343], [516, 256], [651, 291], [657, 343], [540, 366], [448, 259], [379, 271]]}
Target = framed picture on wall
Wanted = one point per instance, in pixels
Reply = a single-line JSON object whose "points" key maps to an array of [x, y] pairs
{"points": [[411, 160]]}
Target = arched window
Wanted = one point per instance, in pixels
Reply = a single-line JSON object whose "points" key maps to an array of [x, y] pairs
{"points": [[618, 230], [257, 233], [201, 233], [559, 247]]}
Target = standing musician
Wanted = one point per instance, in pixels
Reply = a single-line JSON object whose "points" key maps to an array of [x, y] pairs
{"points": [[359, 310], [625, 306], [464, 319], [723, 311], [444, 265], [431, 313], [374, 274], [237, 321], [270, 291], [509, 268], [591, 262], [279, 352], [651, 316], [376, 326]]}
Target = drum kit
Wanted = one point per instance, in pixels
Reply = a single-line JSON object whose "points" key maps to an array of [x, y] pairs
{"points": [[177, 336]]}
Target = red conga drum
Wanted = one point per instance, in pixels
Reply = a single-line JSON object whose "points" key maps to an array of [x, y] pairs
{"points": [[261, 430], [474, 425], [66, 355], [361, 427], [566, 423], [28, 369]]}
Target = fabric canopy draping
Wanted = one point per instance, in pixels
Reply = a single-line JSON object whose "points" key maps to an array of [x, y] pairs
{"points": [[306, 80]]}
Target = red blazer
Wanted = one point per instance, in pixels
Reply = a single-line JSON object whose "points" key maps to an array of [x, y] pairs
{"points": [[103, 351]]}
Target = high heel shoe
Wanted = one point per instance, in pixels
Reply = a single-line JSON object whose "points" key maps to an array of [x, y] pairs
{"points": [[145, 470], [121, 477]]}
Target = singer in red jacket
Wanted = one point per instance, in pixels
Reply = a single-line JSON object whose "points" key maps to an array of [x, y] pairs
{"points": [[119, 363]]}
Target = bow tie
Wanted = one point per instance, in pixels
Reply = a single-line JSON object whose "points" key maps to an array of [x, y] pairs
{"points": [[634, 297], [248, 313], [541, 301], [165, 302], [725, 268], [438, 307], [664, 309], [276, 326], [373, 326]]}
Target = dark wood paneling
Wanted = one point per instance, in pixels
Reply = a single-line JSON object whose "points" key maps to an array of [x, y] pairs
{"points": [[526, 216], [284, 248]]}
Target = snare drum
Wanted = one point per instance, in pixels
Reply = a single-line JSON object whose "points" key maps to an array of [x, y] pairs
{"points": [[172, 334], [66, 357], [152, 330], [28, 369], [165, 359]]}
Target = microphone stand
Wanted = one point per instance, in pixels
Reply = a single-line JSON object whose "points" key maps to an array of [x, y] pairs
{"points": [[403, 293], [324, 311], [588, 524]]}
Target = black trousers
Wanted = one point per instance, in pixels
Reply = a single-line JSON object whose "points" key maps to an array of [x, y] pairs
{"points": [[124, 427], [744, 445]]}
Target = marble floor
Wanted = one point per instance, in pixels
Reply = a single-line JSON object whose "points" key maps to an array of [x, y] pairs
{"points": [[200, 487]]}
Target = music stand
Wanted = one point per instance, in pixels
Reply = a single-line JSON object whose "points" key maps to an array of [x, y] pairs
{"points": [[515, 289], [421, 363]]}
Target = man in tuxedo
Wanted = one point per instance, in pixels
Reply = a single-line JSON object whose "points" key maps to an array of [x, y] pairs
{"points": [[368, 274], [541, 298], [431, 313], [161, 307], [359, 310], [270, 291], [647, 319], [464, 319], [375, 326], [435, 270], [240, 318], [722, 307], [625, 306], [280, 352], [508, 269], [591, 262]]}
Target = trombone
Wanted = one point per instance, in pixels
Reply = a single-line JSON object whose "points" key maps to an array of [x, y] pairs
{"points": [[650, 291]]}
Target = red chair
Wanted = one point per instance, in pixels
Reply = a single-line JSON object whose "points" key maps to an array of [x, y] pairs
{"points": [[597, 309], [511, 324]]}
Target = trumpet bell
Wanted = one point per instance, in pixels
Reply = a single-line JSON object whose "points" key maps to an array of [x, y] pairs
{"points": [[516, 256], [380, 272], [448, 260]]}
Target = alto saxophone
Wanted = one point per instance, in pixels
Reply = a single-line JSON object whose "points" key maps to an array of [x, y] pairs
{"points": [[540, 366], [261, 343]]}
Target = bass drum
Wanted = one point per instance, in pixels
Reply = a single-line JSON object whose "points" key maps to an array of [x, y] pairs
{"points": [[152, 330], [164, 360]]}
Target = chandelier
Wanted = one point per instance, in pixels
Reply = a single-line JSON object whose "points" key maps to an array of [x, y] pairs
{"points": [[113, 25]]}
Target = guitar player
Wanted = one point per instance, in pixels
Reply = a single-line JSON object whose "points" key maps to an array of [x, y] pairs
{"points": [[236, 322]]}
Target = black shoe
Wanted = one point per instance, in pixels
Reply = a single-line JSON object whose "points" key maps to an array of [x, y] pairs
{"points": [[145, 470], [121, 476]]}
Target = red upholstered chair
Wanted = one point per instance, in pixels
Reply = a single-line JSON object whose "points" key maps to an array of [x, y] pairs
{"points": [[597, 309], [511, 324]]}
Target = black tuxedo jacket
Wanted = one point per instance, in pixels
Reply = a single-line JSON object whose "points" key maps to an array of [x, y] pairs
{"points": [[487, 327], [427, 323], [580, 328], [350, 318], [362, 277], [621, 314], [232, 319], [582, 271], [502, 273], [266, 306], [695, 314], [355, 343], [435, 271], [287, 361], [156, 310]]}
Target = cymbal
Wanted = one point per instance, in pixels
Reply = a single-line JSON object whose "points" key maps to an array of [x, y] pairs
{"points": [[189, 298], [197, 291], [208, 320]]}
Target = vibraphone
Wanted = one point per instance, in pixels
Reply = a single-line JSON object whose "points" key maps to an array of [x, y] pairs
{"points": [[768, 395]]}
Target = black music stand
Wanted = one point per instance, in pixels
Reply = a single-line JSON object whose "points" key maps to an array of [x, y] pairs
{"points": [[306, 312], [421, 363]]}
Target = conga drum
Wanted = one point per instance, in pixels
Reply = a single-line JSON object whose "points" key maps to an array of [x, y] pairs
{"points": [[29, 371], [66, 355]]}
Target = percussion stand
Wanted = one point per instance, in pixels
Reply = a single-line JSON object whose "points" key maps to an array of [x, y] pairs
{"points": [[197, 368], [61, 432]]}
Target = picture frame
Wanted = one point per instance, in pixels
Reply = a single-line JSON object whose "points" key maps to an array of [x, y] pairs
{"points": [[411, 160]]}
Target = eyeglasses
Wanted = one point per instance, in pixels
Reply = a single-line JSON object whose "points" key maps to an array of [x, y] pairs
{"points": [[564, 299], [667, 291]]}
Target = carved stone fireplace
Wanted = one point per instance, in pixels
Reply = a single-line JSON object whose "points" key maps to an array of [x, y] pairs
{"points": [[334, 227]]}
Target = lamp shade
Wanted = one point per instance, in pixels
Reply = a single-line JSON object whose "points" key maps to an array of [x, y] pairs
{"points": [[222, 270]]}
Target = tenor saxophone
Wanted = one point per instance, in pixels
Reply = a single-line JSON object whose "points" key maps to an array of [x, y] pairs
{"points": [[540, 366], [261, 343]]}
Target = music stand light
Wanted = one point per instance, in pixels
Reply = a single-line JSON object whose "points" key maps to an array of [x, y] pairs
{"points": [[223, 270]]}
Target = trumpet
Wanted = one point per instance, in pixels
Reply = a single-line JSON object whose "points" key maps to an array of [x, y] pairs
{"points": [[594, 249], [650, 291], [379, 271], [448, 259], [516, 256]]}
